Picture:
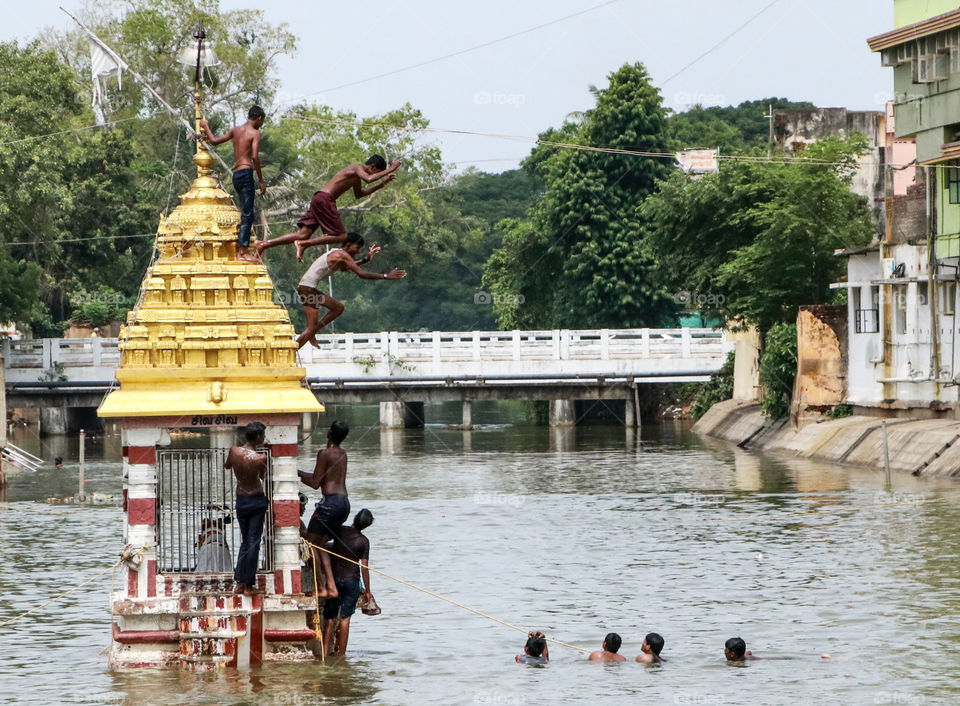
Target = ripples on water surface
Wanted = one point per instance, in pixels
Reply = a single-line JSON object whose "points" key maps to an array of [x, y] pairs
{"points": [[574, 533]]}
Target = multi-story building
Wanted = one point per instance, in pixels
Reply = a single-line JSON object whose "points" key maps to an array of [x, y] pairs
{"points": [[902, 329]]}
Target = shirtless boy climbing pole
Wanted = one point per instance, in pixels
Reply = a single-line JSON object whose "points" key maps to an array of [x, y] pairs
{"points": [[246, 158]]}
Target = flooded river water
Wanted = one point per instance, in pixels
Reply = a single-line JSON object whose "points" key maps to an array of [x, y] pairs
{"points": [[576, 533]]}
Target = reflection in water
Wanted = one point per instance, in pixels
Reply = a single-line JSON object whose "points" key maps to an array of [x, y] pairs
{"points": [[563, 439], [746, 470], [573, 531], [350, 680]]}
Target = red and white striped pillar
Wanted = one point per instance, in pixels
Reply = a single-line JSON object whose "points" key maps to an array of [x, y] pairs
{"points": [[140, 499], [283, 440]]}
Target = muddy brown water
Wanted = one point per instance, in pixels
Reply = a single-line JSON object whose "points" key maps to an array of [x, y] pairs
{"points": [[575, 533]]}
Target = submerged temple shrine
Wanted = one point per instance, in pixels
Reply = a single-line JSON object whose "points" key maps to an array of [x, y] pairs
{"points": [[205, 351]]}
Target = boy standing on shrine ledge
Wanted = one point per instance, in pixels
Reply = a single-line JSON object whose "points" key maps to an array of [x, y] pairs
{"points": [[246, 158], [250, 468]]}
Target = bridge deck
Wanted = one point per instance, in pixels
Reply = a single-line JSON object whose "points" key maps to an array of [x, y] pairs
{"points": [[422, 359]]}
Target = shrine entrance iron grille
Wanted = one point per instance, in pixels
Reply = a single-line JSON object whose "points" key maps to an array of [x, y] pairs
{"points": [[197, 530]]}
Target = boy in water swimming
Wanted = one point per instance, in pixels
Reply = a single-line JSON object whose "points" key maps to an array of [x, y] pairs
{"points": [[608, 653], [535, 651], [650, 649]]}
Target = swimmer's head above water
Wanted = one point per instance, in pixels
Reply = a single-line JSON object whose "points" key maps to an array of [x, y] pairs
{"points": [[652, 644], [534, 646], [735, 649], [612, 642]]}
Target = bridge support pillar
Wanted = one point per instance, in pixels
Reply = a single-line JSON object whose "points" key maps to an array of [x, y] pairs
{"points": [[562, 413], [307, 421], [54, 420], [467, 416], [401, 415]]}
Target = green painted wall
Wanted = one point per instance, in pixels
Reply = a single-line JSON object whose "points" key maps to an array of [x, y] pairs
{"points": [[948, 215], [906, 12], [923, 110]]}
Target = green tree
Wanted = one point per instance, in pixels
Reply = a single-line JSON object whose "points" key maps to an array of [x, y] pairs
{"points": [[756, 241], [149, 35], [731, 128], [577, 259]]}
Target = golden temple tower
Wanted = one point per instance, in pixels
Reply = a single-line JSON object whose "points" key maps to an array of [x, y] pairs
{"points": [[206, 336]]}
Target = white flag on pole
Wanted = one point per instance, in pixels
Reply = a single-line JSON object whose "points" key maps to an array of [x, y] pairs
{"points": [[102, 66]]}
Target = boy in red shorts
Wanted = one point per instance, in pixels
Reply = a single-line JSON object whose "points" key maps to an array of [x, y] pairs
{"points": [[323, 213]]}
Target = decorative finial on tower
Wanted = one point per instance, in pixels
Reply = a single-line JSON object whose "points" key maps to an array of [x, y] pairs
{"points": [[202, 57]]}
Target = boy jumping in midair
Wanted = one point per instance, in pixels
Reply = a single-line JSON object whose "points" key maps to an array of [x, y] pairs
{"points": [[323, 213], [339, 260]]}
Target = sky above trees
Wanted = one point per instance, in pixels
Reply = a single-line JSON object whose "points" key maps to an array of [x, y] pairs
{"points": [[522, 84]]}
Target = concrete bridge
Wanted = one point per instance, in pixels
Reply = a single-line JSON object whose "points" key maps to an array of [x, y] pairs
{"points": [[404, 370]]}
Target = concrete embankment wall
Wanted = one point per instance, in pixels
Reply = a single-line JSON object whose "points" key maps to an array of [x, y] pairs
{"points": [[923, 447]]}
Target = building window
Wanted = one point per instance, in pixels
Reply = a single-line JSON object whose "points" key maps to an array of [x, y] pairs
{"points": [[953, 183], [948, 298], [866, 319], [900, 309]]}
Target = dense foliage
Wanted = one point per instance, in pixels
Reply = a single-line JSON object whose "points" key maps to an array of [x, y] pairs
{"points": [[755, 241], [575, 238], [717, 389], [577, 259], [778, 369]]}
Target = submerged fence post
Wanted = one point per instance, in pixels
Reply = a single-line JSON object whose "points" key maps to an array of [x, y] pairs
{"points": [[81, 496], [886, 453]]}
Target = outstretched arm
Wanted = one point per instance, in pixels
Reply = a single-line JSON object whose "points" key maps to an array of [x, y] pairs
{"points": [[376, 176], [213, 139], [363, 274], [360, 193]]}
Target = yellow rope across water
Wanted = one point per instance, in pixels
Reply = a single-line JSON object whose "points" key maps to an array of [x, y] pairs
{"points": [[442, 598], [317, 629]]}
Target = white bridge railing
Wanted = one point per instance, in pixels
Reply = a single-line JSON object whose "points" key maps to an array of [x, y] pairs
{"points": [[428, 355]]}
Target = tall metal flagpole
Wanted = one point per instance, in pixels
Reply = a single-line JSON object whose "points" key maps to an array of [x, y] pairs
{"points": [[193, 129]]}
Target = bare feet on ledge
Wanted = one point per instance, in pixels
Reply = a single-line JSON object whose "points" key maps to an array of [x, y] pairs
{"points": [[244, 255]]}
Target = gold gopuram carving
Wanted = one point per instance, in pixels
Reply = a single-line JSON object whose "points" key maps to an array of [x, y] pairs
{"points": [[206, 335]]}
